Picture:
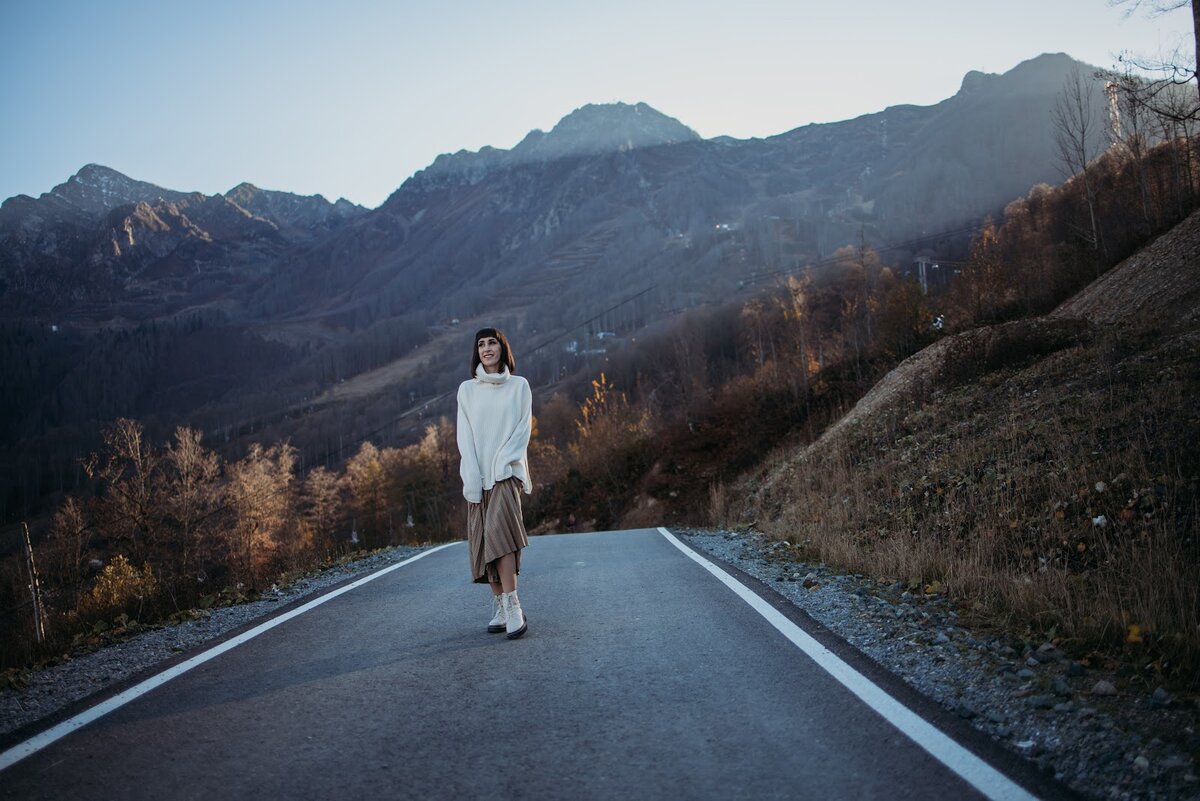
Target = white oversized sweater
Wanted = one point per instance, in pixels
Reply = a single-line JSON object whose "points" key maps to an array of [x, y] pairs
{"points": [[495, 419]]}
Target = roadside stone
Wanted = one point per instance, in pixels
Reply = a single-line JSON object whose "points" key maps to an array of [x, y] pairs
{"points": [[964, 710], [1041, 701], [1103, 687], [1076, 669], [1161, 699], [1061, 687], [1046, 652], [1032, 662], [1025, 673], [1141, 763]]}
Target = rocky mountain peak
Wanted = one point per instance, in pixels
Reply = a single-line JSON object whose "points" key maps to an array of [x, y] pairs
{"points": [[305, 211], [975, 80], [603, 128], [1041, 74], [97, 190], [589, 130]]}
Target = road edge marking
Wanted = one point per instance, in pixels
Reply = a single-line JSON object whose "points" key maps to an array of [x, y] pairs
{"points": [[971, 768], [39, 741]]}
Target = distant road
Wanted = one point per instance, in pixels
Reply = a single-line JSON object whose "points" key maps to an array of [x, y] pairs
{"points": [[642, 676]]}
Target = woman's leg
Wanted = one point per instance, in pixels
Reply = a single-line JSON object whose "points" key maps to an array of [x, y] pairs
{"points": [[506, 566], [497, 587]]}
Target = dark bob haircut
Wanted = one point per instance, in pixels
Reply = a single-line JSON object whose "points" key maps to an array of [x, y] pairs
{"points": [[506, 357]]}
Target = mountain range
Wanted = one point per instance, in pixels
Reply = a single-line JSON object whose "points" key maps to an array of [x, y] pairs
{"points": [[616, 199]]}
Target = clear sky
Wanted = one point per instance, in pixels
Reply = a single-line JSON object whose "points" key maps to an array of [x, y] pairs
{"points": [[350, 98]]}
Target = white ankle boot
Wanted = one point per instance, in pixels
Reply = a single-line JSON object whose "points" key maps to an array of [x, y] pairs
{"points": [[514, 617], [496, 624]]}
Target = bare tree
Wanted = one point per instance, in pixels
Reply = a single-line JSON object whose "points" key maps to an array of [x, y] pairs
{"points": [[1078, 142], [130, 472], [1175, 73]]}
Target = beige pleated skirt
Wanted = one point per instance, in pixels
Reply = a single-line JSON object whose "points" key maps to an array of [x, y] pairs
{"points": [[495, 528]]}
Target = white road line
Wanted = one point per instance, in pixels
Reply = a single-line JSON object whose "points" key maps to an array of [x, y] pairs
{"points": [[40, 741], [979, 774]]}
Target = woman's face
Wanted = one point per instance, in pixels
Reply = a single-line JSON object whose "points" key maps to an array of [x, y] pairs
{"points": [[489, 353]]}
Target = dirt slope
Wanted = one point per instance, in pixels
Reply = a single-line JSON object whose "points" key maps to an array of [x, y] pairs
{"points": [[1159, 284]]}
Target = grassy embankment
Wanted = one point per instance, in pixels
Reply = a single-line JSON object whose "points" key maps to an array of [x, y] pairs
{"points": [[1054, 497]]}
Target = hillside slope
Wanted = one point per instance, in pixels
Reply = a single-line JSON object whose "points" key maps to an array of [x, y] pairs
{"points": [[1044, 472], [1158, 285]]}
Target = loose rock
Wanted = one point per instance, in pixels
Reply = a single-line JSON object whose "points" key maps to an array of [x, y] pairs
{"points": [[1160, 699]]}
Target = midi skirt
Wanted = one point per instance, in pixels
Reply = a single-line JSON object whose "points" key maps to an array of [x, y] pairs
{"points": [[495, 528]]}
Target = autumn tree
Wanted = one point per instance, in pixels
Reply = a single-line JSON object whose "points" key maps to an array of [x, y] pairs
{"points": [[427, 478], [322, 503], [367, 480], [68, 542], [609, 433], [259, 495], [981, 289], [904, 320], [553, 427], [798, 332], [191, 499]]}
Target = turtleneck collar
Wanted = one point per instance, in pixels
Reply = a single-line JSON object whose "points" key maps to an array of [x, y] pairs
{"points": [[491, 378]]}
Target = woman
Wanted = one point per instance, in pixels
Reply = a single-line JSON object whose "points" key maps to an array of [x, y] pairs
{"points": [[495, 416]]}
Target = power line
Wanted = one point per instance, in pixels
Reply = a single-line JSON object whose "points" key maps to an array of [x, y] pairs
{"points": [[764, 276]]}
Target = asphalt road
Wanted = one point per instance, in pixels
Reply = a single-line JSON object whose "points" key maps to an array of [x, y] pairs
{"points": [[641, 676]]}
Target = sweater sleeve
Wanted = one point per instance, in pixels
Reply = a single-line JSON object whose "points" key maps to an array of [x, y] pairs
{"points": [[472, 475], [514, 448]]}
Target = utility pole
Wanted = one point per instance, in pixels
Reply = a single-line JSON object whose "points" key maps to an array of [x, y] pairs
{"points": [[922, 276], [35, 590]]}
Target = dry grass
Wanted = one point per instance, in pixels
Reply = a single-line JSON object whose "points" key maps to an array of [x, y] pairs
{"points": [[1058, 498]]}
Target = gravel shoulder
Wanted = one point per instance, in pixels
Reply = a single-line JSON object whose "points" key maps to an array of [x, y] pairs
{"points": [[1102, 740], [54, 688]]}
